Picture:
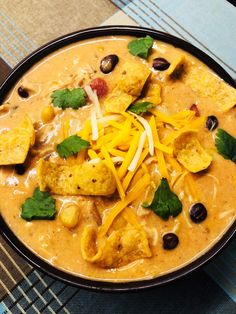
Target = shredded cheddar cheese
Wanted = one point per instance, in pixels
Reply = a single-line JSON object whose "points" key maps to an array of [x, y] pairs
{"points": [[130, 174], [94, 99], [148, 131], [121, 205], [138, 153], [94, 125]]}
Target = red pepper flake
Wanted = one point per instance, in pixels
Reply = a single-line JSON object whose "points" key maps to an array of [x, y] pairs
{"points": [[100, 86], [194, 108]]}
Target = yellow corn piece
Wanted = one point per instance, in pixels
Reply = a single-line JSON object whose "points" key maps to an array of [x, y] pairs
{"points": [[121, 205], [92, 154], [113, 169], [156, 140], [129, 156], [130, 174], [47, 114], [69, 216], [116, 152]]}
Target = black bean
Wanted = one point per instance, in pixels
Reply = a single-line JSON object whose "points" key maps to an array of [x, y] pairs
{"points": [[20, 169], [108, 63], [198, 212], [23, 92], [160, 64], [170, 241], [211, 123]]}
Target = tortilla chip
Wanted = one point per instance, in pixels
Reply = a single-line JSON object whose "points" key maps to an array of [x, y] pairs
{"points": [[207, 84], [190, 153], [175, 70], [118, 101], [132, 77], [130, 82], [84, 179], [122, 247], [15, 143], [28, 125], [153, 94]]}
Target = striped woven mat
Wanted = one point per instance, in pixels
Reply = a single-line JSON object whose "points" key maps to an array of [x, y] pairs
{"points": [[24, 26]]}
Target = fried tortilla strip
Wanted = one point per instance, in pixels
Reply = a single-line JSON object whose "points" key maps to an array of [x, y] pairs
{"points": [[83, 179], [118, 101], [120, 248], [130, 82], [15, 143], [190, 153], [207, 84]]}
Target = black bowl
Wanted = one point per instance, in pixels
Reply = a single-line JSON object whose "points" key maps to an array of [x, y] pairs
{"points": [[17, 73]]}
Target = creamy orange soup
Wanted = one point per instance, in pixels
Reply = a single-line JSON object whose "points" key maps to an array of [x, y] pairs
{"points": [[112, 237]]}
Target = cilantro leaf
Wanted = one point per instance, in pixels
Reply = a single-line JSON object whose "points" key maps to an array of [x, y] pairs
{"points": [[141, 46], [65, 98], [140, 107], [226, 145], [40, 206], [165, 202], [71, 145]]}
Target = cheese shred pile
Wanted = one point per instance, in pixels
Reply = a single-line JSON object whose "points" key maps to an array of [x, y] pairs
{"points": [[126, 141]]}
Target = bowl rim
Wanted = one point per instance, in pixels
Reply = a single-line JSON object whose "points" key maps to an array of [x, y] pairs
{"points": [[41, 264]]}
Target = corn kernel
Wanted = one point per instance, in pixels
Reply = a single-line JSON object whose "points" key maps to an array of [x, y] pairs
{"points": [[100, 48], [47, 114], [69, 216]]}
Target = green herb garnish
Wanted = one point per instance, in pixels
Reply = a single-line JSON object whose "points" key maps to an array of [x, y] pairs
{"points": [[165, 202], [226, 145], [141, 46], [65, 98], [140, 107], [40, 206], [71, 145]]}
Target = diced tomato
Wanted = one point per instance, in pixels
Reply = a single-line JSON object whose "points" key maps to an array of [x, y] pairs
{"points": [[194, 108], [100, 86]]}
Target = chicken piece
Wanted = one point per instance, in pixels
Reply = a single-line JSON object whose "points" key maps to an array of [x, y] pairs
{"points": [[84, 179], [15, 143]]}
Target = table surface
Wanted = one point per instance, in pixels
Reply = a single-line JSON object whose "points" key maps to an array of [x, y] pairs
{"points": [[196, 293]]}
